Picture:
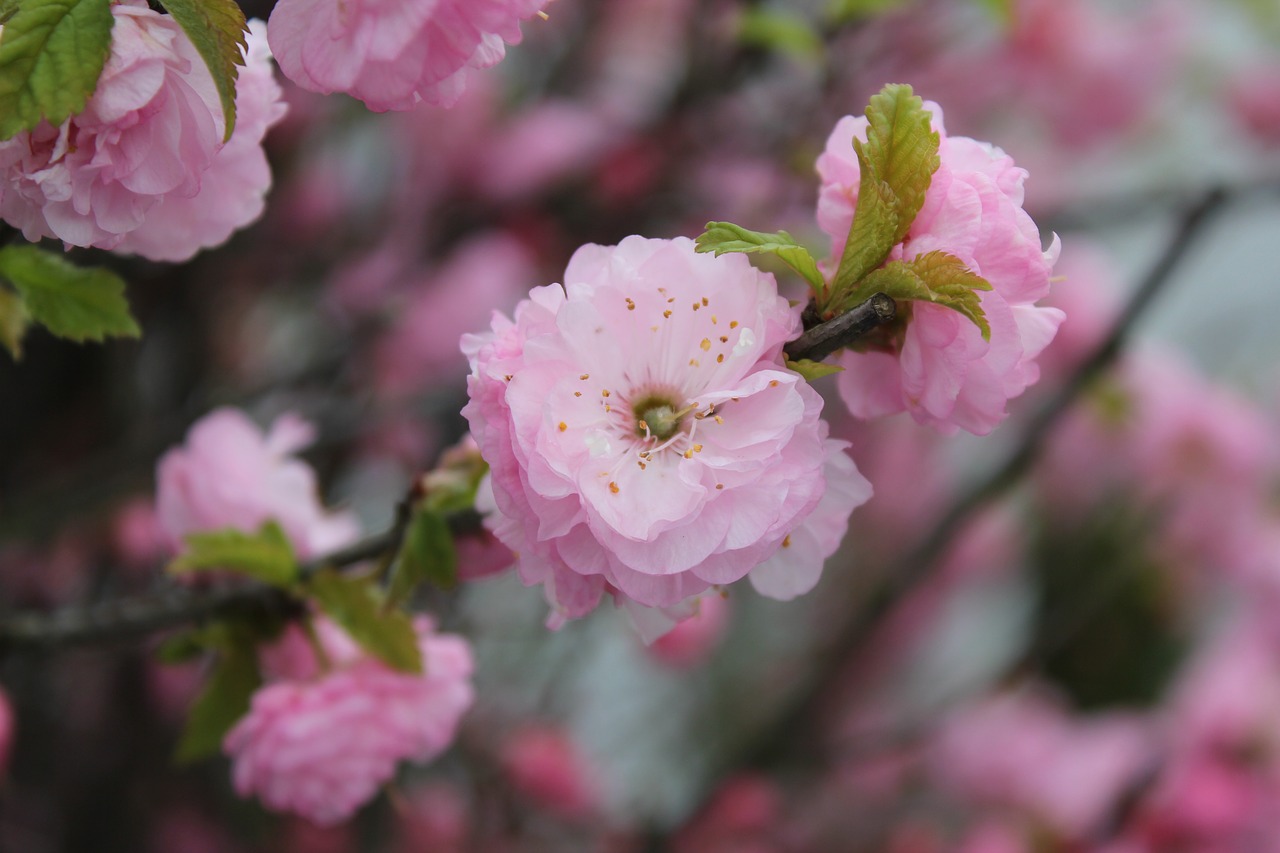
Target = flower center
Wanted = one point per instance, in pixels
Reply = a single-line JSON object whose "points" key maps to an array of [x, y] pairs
{"points": [[657, 417]]}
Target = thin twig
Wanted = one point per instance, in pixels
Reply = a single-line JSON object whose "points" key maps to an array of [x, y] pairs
{"points": [[825, 338]]}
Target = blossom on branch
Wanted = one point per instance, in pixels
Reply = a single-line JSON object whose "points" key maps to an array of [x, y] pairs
{"points": [[645, 438], [230, 474], [322, 745], [143, 169], [934, 362], [391, 54]]}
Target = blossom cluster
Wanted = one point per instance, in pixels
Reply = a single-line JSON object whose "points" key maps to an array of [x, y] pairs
{"points": [[143, 168]]}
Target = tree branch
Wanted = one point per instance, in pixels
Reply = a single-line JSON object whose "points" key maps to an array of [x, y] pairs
{"points": [[825, 338]]}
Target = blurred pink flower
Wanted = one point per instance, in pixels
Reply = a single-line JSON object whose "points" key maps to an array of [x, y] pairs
{"points": [[1254, 95], [1023, 750], [229, 474], [642, 432], [7, 727], [433, 817], [143, 168], [420, 352], [943, 372], [550, 142], [322, 747], [545, 767], [393, 55], [693, 640], [743, 816], [137, 538]]}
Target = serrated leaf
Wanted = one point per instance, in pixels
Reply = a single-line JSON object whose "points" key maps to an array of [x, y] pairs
{"points": [[351, 602], [781, 31], [426, 556], [265, 556], [725, 237], [77, 303], [14, 320], [811, 370], [938, 278], [51, 55], [225, 698], [896, 166], [217, 29]]}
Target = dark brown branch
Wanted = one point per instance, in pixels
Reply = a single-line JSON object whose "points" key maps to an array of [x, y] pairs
{"points": [[824, 339]]}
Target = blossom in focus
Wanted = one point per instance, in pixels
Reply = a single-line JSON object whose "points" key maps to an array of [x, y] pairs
{"points": [[391, 55], [143, 168], [230, 474], [644, 436], [939, 368], [322, 746]]}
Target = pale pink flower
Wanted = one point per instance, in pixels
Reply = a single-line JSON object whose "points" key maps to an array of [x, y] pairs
{"points": [[143, 168], [230, 474], [1024, 751], [693, 640], [545, 766], [731, 457], [943, 372], [393, 55], [323, 747]]}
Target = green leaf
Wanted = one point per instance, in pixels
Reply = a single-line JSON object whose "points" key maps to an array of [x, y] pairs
{"points": [[811, 370], [784, 32], [183, 647], [216, 28], [264, 556], [78, 303], [896, 166], [935, 277], [225, 698], [1002, 10], [725, 237], [51, 55], [427, 556], [351, 603], [846, 10], [14, 320]]}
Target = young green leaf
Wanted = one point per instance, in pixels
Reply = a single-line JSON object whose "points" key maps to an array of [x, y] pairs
{"points": [[725, 237], [78, 303], [427, 556], [938, 278], [1002, 10], [13, 322], [842, 11], [264, 556], [51, 55], [811, 370], [216, 28], [225, 698], [896, 166], [352, 604]]}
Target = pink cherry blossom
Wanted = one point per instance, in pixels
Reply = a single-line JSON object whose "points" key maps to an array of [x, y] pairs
{"points": [[393, 55], [322, 747], [643, 434], [693, 640], [1254, 95], [943, 372], [230, 474], [546, 767], [1023, 750], [143, 168]]}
